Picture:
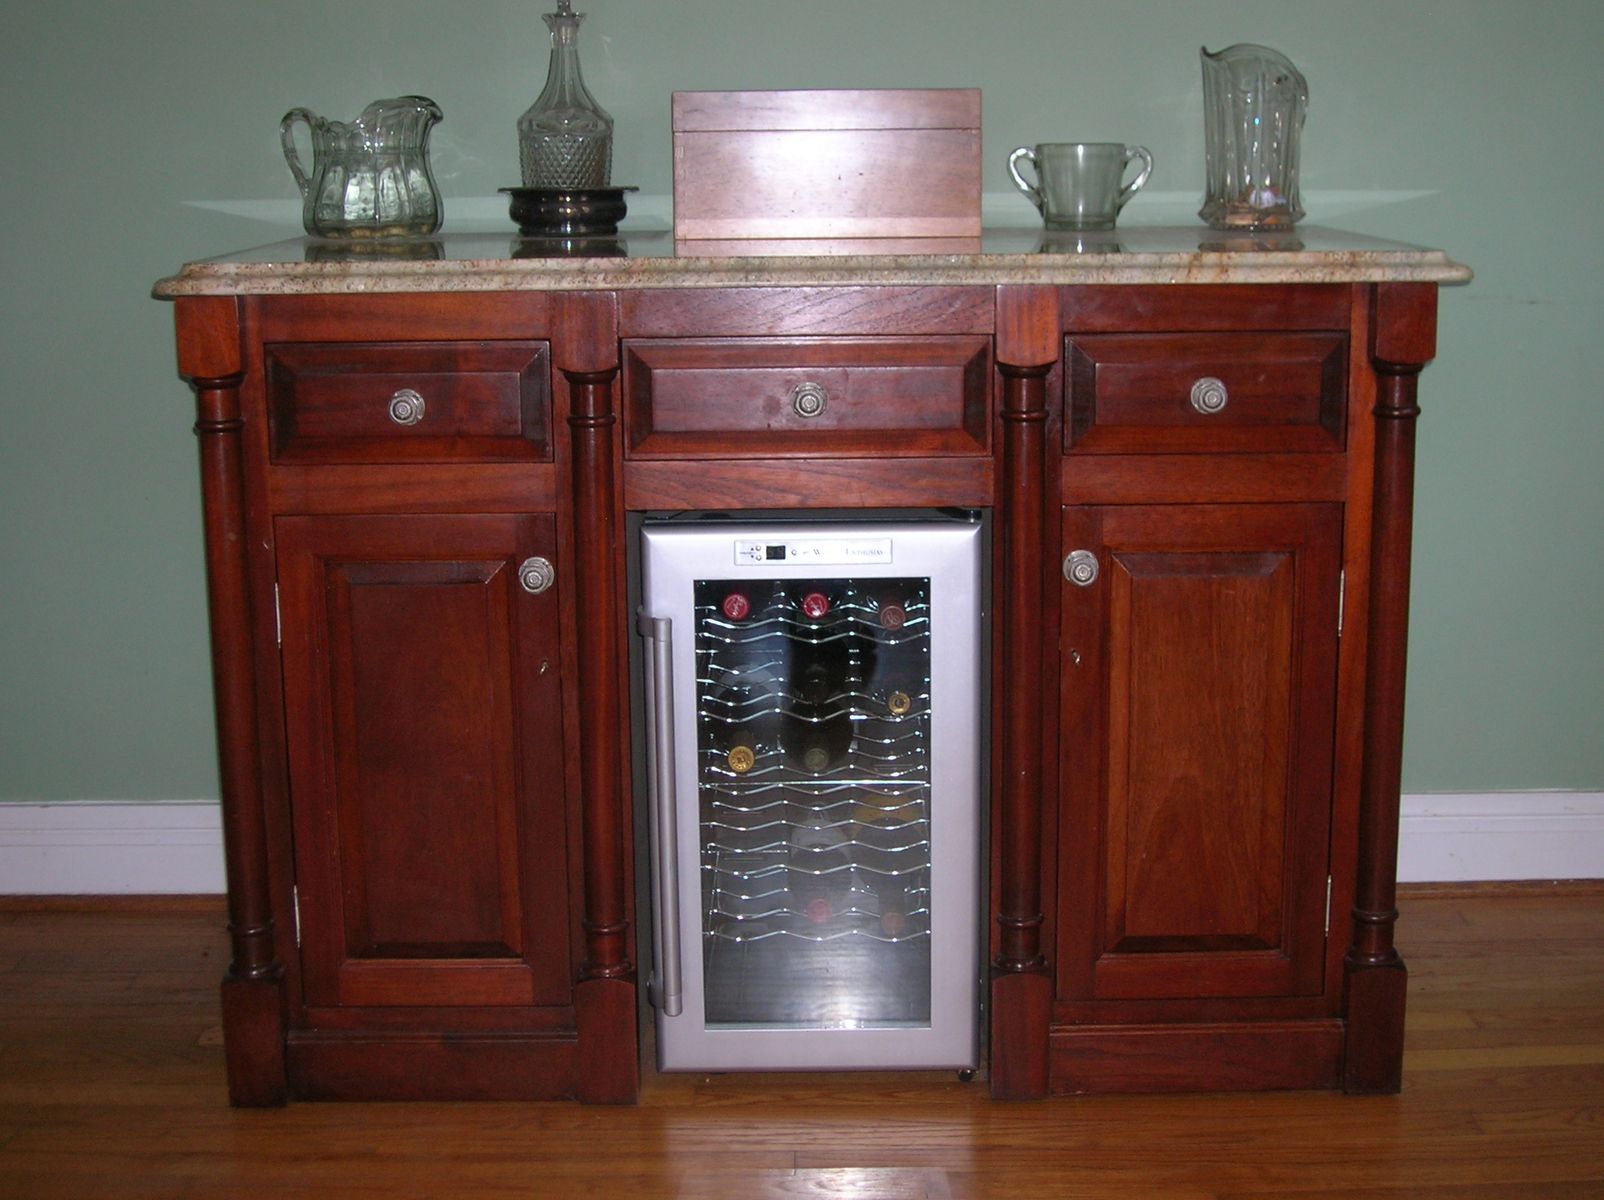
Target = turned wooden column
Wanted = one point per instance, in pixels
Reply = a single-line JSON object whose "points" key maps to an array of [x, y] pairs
{"points": [[1402, 342], [209, 359], [1021, 987], [604, 998]]}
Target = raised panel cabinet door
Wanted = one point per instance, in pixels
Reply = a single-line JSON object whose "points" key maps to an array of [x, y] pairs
{"points": [[1199, 679], [422, 708]]}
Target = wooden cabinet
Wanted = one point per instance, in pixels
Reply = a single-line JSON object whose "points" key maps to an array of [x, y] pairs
{"points": [[416, 501]]}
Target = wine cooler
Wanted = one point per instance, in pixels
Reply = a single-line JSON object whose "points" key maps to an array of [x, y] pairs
{"points": [[813, 748]]}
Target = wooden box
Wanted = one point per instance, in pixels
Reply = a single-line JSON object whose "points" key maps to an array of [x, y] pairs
{"points": [[876, 163]]}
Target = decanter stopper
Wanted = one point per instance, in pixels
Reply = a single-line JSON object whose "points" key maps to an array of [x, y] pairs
{"points": [[565, 140]]}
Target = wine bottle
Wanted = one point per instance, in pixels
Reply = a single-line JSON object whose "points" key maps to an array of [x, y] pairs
{"points": [[819, 746], [890, 610], [739, 747], [819, 879], [737, 604], [815, 604], [895, 904], [739, 715], [816, 736]]}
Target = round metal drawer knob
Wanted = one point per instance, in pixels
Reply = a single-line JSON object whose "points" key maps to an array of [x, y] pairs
{"points": [[535, 575], [406, 407], [1209, 395], [1080, 568], [809, 399]]}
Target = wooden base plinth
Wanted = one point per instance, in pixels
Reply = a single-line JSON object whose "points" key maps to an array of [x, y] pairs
{"points": [[1021, 1006], [253, 1042], [431, 1066], [1203, 1058], [608, 1040], [1374, 1000]]}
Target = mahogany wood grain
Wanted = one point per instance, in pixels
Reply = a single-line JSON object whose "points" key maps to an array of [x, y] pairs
{"points": [[330, 402], [1352, 654], [1019, 970], [1376, 978], [1229, 479], [431, 838], [714, 398], [1404, 327], [1196, 751], [411, 1065], [1198, 308], [1029, 326], [1120, 949], [415, 488], [1234, 1056], [606, 1026], [113, 1066], [210, 359], [817, 483], [1132, 393], [415, 316]]}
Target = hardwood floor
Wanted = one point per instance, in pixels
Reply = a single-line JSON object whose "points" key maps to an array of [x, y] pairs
{"points": [[111, 1085]]}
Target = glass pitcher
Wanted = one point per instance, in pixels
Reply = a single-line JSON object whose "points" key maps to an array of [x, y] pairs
{"points": [[1254, 102], [370, 177]]}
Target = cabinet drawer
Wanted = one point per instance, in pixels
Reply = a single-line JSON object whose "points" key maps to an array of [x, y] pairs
{"points": [[751, 398], [360, 402], [1204, 392]]}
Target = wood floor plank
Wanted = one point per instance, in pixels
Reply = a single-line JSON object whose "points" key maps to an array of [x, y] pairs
{"points": [[111, 1085]]}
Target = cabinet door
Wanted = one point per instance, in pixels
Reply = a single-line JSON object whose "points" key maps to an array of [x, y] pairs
{"points": [[1199, 675], [423, 712]]}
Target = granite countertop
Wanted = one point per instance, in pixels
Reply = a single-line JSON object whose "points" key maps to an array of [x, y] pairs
{"points": [[479, 262]]}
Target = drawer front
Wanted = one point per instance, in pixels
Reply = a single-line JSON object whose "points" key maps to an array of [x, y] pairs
{"points": [[364, 402], [843, 397], [1205, 392]]}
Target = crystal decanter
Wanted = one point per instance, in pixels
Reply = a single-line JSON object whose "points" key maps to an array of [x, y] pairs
{"points": [[565, 140]]}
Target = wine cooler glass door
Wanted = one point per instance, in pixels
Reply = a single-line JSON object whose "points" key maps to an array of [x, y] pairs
{"points": [[827, 794]]}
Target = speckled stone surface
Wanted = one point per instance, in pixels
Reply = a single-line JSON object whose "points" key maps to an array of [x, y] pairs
{"points": [[496, 262]]}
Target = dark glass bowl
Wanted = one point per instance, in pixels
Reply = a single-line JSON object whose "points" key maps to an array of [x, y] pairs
{"points": [[567, 212]]}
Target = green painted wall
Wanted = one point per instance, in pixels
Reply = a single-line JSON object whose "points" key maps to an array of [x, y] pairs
{"points": [[144, 135]]}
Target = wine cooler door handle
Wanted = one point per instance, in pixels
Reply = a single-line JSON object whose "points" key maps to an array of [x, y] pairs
{"points": [[666, 985]]}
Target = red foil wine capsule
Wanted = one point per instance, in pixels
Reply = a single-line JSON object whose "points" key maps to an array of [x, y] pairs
{"points": [[814, 605], [737, 606]]}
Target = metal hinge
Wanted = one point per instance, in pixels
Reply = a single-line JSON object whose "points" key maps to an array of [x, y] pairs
{"points": [[295, 906], [1342, 597], [278, 622], [1328, 907]]}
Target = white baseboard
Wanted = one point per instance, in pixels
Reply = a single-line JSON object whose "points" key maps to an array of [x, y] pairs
{"points": [[100, 848], [177, 846], [1461, 836]]}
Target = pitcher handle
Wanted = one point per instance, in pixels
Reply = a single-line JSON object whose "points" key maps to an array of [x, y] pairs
{"points": [[1032, 191], [286, 134], [1130, 189]]}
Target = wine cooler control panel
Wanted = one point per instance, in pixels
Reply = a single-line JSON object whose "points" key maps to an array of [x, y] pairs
{"points": [[824, 552]]}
